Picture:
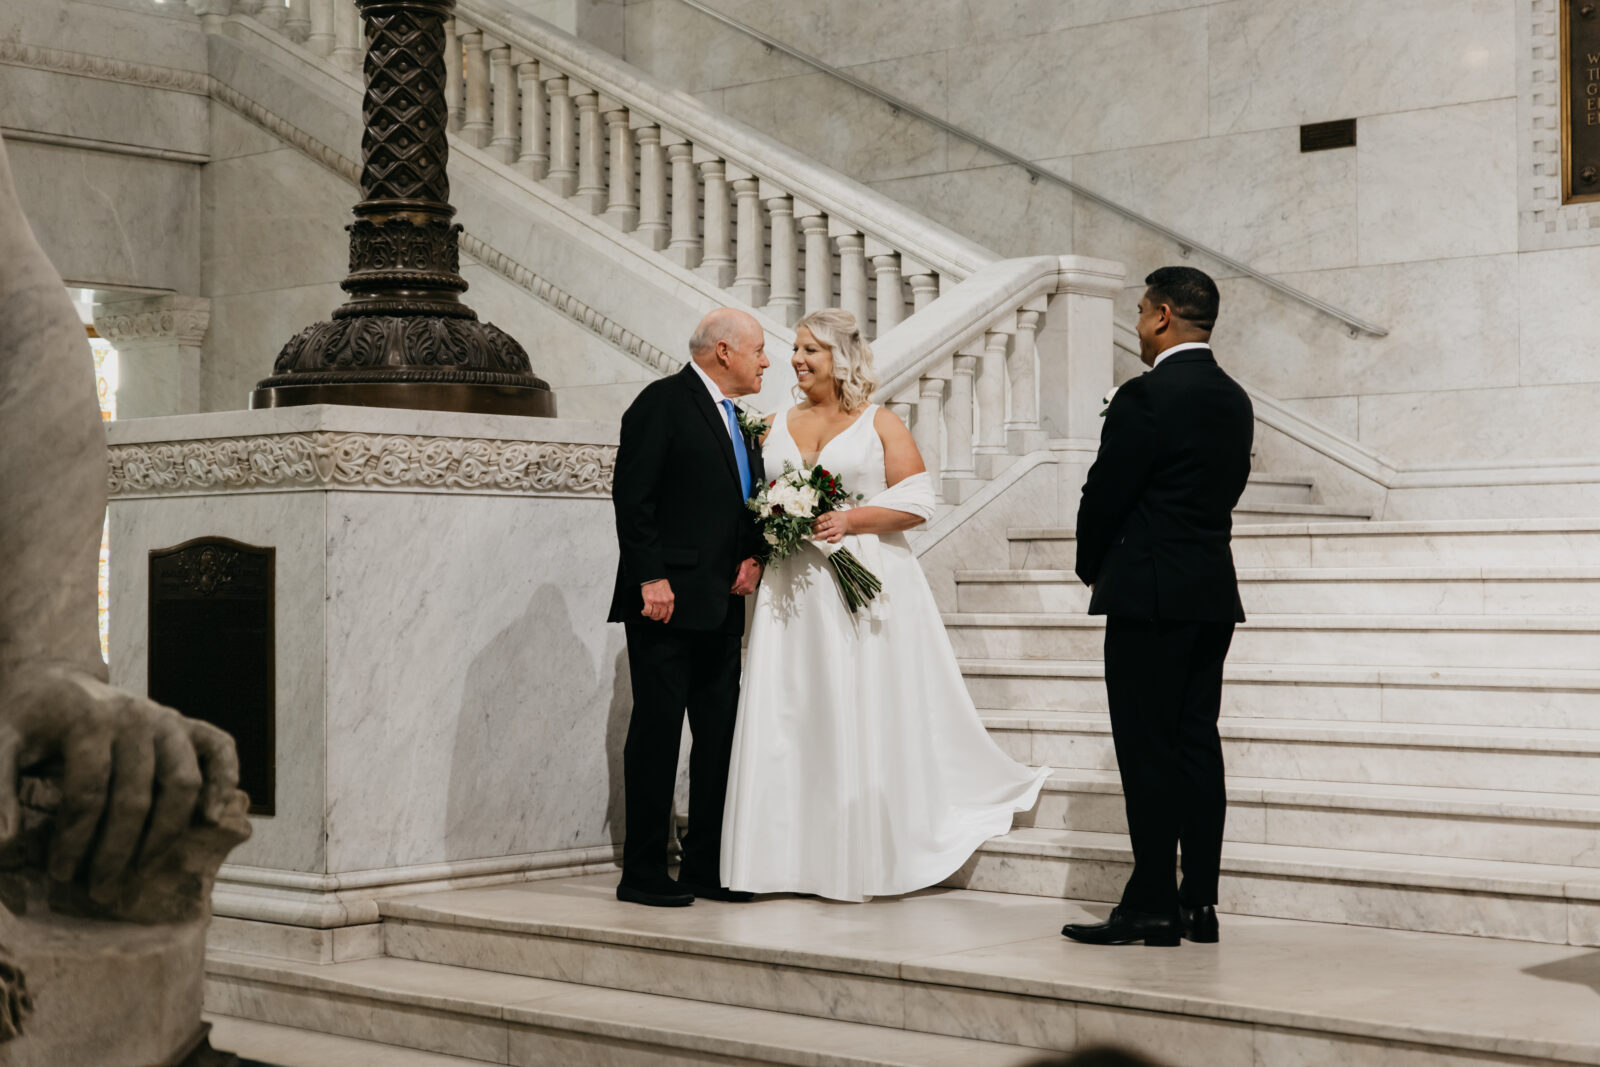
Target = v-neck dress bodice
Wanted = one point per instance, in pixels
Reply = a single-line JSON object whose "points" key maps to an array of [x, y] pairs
{"points": [[860, 767]]}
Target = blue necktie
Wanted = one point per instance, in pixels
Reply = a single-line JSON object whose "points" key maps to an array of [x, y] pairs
{"points": [[739, 456]]}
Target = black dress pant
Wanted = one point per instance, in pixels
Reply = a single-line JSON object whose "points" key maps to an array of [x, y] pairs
{"points": [[1164, 683], [673, 670]]}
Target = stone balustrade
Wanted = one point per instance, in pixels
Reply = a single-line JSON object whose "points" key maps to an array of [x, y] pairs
{"points": [[772, 228]]}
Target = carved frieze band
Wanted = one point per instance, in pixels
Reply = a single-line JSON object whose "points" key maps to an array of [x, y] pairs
{"points": [[337, 460], [116, 70], [613, 332], [181, 320]]}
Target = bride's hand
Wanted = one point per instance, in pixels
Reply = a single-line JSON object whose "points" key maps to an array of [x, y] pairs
{"points": [[831, 526]]}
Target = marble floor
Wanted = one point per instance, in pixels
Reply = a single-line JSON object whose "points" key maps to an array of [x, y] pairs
{"points": [[993, 967]]}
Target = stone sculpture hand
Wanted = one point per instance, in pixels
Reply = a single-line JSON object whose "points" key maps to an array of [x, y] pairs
{"points": [[128, 768]]}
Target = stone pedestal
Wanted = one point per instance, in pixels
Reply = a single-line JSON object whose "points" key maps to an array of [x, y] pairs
{"points": [[450, 702], [158, 342]]}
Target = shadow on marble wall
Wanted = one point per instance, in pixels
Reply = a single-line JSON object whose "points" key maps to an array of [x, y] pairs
{"points": [[530, 752]]}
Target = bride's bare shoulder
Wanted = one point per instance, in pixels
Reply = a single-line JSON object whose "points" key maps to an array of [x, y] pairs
{"points": [[889, 426]]}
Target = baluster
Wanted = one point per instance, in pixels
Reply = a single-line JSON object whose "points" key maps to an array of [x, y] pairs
{"points": [[503, 76], [213, 12], [716, 261], [926, 430], [452, 76], [347, 43], [274, 13], [891, 293], [819, 257], [320, 39], [1023, 368], [622, 203], [784, 303], [750, 283], [991, 394], [591, 150], [852, 272], [924, 283], [684, 250], [563, 175], [477, 128], [297, 26], [652, 231], [902, 409], [534, 159], [958, 417]]}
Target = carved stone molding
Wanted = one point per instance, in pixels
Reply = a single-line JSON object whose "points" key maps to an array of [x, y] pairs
{"points": [[590, 318], [367, 461], [115, 70], [180, 320], [1543, 220]]}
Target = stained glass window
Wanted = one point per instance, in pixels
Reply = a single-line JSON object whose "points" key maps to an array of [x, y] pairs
{"points": [[105, 384]]}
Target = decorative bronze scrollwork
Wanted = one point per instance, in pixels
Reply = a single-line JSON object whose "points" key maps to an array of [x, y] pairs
{"points": [[404, 338]]}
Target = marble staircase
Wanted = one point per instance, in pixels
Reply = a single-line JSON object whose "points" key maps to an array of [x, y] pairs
{"points": [[1411, 725], [558, 972]]}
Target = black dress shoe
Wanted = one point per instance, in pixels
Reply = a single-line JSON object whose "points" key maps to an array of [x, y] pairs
{"points": [[660, 893], [1200, 924], [717, 892], [1126, 927]]}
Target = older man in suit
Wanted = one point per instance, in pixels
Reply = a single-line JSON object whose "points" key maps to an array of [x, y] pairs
{"points": [[1154, 527]]}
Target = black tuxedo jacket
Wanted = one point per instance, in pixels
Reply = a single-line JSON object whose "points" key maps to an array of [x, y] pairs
{"points": [[680, 511], [1155, 521]]}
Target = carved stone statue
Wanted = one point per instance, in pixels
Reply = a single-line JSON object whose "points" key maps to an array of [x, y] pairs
{"points": [[115, 812]]}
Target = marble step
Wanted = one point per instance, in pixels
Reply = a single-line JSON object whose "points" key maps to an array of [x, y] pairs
{"points": [[290, 1046], [1481, 757], [1326, 590], [1267, 487], [1487, 824], [1564, 699], [491, 1016], [1522, 642], [1481, 542], [992, 966], [1520, 901], [1249, 514]]}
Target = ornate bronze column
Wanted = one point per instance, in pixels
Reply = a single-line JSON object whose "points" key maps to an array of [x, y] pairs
{"points": [[404, 338]]}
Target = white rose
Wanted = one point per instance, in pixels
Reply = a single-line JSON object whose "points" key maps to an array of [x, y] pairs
{"points": [[806, 500], [783, 496], [772, 538], [1105, 401], [766, 508]]}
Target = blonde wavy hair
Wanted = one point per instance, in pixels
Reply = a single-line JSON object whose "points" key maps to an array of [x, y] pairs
{"points": [[854, 378]]}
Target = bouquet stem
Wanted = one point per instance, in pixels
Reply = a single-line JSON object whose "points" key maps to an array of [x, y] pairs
{"points": [[858, 584]]}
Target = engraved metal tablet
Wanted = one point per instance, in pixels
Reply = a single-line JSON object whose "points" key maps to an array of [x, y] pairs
{"points": [[1580, 100], [211, 648]]}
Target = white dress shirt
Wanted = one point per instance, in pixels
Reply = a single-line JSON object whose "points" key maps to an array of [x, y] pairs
{"points": [[1175, 348]]}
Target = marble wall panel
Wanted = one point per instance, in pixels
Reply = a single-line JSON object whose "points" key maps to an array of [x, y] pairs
{"points": [[1273, 63], [292, 838], [1093, 88], [1341, 414], [468, 656], [1467, 425], [844, 128], [111, 221], [274, 220], [695, 52], [233, 135], [247, 331], [1467, 340], [997, 206], [158, 34], [1007, 19], [1283, 210], [1437, 183], [1559, 321], [43, 101]]}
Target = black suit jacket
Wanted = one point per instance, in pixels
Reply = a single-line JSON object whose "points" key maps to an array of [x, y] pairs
{"points": [[680, 513], [1155, 520]]}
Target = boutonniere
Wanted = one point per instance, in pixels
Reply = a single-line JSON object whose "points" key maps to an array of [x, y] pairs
{"points": [[1105, 401], [753, 426]]}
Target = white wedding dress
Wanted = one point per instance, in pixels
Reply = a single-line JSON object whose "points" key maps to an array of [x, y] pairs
{"points": [[860, 767]]}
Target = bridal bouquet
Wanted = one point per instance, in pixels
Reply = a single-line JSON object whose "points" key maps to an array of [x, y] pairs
{"points": [[789, 504]]}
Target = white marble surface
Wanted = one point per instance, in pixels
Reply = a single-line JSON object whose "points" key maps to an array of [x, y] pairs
{"points": [[111, 113]]}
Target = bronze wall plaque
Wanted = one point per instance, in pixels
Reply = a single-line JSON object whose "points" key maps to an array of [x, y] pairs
{"points": [[212, 648], [1580, 100]]}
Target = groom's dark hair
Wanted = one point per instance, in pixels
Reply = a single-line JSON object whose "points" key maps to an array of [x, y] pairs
{"points": [[1190, 293]]}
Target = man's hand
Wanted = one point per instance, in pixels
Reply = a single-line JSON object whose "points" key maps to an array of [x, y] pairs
{"points": [[749, 576], [658, 600]]}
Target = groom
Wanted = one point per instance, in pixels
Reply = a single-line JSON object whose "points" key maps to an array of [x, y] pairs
{"points": [[1153, 535], [689, 550]]}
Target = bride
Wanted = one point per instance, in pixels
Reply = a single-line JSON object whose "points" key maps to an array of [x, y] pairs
{"points": [[860, 767]]}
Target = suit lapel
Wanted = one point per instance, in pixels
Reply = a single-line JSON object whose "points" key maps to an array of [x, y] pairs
{"points": [[714, 417]]}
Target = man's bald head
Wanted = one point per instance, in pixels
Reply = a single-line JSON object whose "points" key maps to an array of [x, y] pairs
{"points": [[729, 345]]}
